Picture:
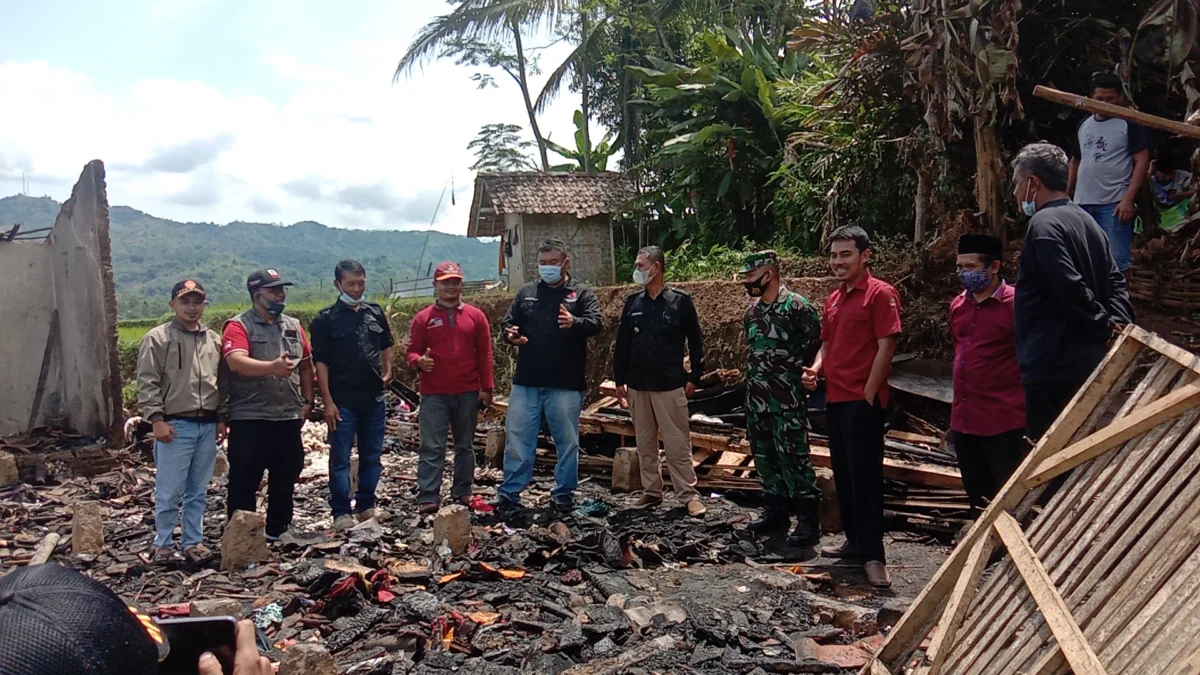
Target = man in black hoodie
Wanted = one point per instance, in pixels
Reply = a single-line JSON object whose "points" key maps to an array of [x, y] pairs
{"points": [[1070, 295], [549, 322]]}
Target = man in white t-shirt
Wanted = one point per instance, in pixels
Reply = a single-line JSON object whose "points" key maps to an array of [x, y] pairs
{"points": [[1109, 168]]}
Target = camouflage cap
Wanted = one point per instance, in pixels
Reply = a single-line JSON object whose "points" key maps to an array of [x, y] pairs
{"points": [[760, 259]]}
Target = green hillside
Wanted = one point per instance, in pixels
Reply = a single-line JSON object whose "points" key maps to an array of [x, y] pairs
{"points": [[150, 254]]}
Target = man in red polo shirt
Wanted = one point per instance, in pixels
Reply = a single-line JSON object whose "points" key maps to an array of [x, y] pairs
{"points": [[451, 345], [858, 335], [987, 419]]}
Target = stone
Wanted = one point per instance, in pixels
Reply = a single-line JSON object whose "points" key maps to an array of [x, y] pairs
{"points": [[857, 619], [87, 529], [217, 607], [453, 526], [493, 449], [617, 600], [830, 515], [221, 465], [307, 659], [422, 605], [560, 530], [626, 471], [244, 541], [577, 601], [9, 474]]}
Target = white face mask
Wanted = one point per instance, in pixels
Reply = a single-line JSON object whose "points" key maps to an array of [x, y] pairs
{"points": [[642, 277]]}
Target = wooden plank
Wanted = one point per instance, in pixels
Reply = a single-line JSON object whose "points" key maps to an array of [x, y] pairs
{"points": [[1139, 422], [45, 549], [1156, 634], [960, 601], [1177, 354], [1070, 638], [1120, 112], [915, 624]]}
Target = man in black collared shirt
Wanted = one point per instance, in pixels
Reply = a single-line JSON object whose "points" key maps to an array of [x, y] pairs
{"points": [[549, 322], [352, 347], [651, 380]]}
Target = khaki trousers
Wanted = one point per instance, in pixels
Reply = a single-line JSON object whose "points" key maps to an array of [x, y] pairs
{"points": [[663, 413]]}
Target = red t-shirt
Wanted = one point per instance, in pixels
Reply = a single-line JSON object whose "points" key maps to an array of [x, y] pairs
{"points": [[460, 342], [853, 323], [235, 339], [988, 397]]}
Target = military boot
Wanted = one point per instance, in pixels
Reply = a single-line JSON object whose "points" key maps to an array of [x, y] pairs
{"points": [[774, 518], [808, 523]]}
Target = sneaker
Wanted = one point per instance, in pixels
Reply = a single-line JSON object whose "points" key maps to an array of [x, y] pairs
{"points": [[696, 507], [564, 504], [165, 554], [379, 515], [343, 523], [274, 538], [648, 500], [198, 554], [842, 550], [877, 574], [428, 508], [506, 509]]}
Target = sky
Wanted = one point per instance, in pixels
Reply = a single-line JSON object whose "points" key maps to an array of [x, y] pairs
{"points": [[259, 110]]}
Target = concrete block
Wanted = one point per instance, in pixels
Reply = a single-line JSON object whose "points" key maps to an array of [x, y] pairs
{"points": [[9, 474], [87, 529], [217, 607], [626, 471], [221, 466], [831, 516], [493, 449], [453, 525], [244, 541], [855, 618], [307, 659]]}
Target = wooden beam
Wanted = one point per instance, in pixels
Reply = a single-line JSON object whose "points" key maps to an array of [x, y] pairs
{"points": [[1070, 637], [1116, 434], [1129, 114], [1177, 354], [45, 549], [960, 601]]}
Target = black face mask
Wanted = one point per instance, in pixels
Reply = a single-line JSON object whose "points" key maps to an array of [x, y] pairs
{"points": [[755, 289], [273, 308]]}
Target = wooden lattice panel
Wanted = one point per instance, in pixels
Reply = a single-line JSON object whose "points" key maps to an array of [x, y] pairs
{"points": [[1105, 577]]}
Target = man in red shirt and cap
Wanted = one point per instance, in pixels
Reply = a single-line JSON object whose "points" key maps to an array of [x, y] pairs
{"points": [[858, 334], [451, 347], [987, 418]]}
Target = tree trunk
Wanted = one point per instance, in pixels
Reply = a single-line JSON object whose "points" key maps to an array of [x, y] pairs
{"points": [[989, 176], [585, 95], [924, 198], [524, 82]]}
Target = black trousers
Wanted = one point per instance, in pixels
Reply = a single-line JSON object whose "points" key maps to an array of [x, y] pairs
{"points": [[256, 446], [1044, 403], [856, 449], [987, 462]]}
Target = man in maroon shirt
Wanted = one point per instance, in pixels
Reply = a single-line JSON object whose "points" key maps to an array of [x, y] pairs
{"points": [[451, 346], [987, 419], [858, 335]]}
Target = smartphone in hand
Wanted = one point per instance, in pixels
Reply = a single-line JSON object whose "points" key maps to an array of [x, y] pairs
{"points": [[189, 638]]}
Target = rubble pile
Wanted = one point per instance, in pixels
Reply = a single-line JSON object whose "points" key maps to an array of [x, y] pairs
{"points": [[608, 588]]}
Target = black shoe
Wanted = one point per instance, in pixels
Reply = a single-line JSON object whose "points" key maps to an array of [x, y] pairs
{"points": [[564, 505], [774, 518], [808, 524], [506, 509]]}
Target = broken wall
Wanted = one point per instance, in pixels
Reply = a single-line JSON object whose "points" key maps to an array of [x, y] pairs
{"points": [[65, 349]]}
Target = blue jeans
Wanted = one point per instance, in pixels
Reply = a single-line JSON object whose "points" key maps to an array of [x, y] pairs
{"points": [[368, 425], [526, 406], [439, 414], [1120, 235], [184, 469]]}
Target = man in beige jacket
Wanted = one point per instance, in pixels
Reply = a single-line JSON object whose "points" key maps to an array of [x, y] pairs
{"points": [[179, 392]]}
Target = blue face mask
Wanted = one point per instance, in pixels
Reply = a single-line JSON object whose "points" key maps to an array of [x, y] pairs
{"points": [[349, 300], [1028, 205], [975, 281], [551, 274]]}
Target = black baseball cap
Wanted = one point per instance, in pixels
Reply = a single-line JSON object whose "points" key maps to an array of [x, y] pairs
{"points": [[54, 619], [267, 278], [186, 287]]}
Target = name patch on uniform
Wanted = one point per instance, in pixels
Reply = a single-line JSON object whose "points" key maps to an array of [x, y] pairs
{"points": [[435, 322]]}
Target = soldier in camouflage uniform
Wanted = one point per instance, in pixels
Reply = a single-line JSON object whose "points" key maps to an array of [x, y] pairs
{"points": [[783, 335]]}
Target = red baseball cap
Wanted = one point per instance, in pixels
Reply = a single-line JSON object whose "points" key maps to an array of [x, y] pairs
{"points": [[447, 270]]}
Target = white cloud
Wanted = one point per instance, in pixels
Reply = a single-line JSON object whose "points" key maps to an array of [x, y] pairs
{"points": [[346, 146]]}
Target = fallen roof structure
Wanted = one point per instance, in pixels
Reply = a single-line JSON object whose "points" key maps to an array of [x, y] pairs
{"points": [[1105, 577]]}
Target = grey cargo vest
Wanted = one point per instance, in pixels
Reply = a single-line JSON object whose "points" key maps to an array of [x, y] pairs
{"points": [[268, 398]]}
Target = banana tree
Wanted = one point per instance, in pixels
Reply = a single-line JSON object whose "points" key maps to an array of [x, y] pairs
{"points": [[586, 159]]}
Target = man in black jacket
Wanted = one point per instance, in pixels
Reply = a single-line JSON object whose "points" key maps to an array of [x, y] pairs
{"points": [[549, 322], [1070, 295], [651, 380]]}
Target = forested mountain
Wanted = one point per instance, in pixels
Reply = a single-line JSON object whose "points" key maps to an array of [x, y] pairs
{"points": [[150, 254]]}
